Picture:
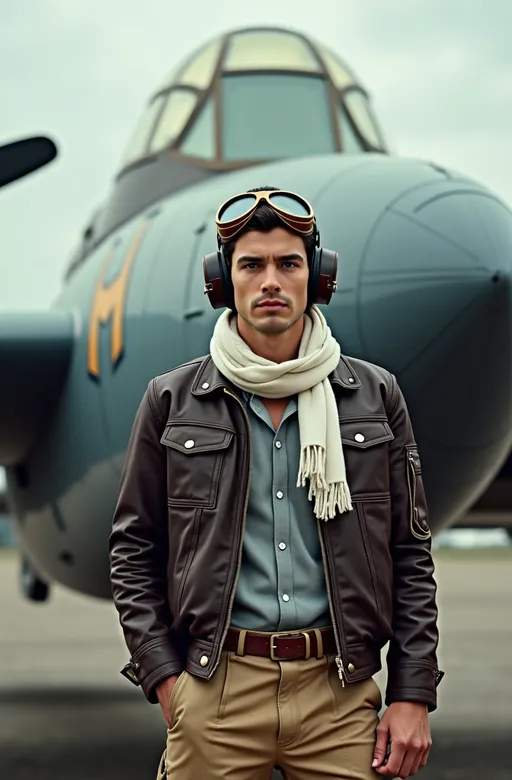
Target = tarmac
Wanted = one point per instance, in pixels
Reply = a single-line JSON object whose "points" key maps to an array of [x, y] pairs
{"points": [[66, 712]]}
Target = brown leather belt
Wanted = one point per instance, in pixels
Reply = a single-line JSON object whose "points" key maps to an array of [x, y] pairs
{"points": [[281, 646]]}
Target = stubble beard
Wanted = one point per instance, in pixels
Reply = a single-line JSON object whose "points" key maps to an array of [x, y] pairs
{"points": [[272, 325]]}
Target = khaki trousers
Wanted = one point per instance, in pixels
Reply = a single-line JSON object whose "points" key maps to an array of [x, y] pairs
{"points": [[255, 713]]}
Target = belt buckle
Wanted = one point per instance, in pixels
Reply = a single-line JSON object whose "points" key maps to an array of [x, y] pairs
{"points": [[293, 635]]}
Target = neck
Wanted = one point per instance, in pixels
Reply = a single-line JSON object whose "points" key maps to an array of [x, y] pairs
{"points": [[277, 347]]}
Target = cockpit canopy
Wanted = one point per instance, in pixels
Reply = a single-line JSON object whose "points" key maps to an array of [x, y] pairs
{"points": [[248, 97], [252, 96]]}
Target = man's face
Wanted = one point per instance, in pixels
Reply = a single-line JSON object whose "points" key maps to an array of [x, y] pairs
{"points": [[270, 279]]}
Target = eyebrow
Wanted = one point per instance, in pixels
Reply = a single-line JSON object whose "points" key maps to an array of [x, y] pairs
{"points": [[256, 258]]}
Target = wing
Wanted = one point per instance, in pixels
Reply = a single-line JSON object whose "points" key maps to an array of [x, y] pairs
{"points": [[35, 352]]}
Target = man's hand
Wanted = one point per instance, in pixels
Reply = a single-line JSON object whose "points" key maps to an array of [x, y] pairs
{"points": [[163, 692], [404, 724]]}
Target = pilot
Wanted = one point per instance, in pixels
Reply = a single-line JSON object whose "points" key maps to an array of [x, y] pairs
{"points": [[271, 532]]}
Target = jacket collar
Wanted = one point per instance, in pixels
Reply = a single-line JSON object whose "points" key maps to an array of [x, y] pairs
{"points": [[208, 378], [345, 376]]}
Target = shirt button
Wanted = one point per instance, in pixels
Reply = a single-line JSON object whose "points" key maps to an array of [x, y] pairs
{"points": [[278, 445], [279, 494], [282, 546], [286, 597]]}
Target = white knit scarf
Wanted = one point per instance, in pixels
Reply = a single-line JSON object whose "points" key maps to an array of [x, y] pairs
{"points": [[322, 460]]}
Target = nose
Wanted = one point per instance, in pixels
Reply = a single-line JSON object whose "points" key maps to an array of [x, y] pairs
{"points": [[270, 282], [432, 303]]}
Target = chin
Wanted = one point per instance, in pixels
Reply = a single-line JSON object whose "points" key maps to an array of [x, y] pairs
{"points": [[272, 324]]}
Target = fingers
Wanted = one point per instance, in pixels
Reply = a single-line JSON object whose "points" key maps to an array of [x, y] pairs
{"points": [[414, 759], [420, 759], [395, 760], [424, 757], [379, 753]]}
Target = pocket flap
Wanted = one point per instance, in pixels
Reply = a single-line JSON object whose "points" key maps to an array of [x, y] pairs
{"points": [[365, 433], [194, 438]]}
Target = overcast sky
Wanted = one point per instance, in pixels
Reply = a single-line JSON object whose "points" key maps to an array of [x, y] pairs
{"points": [[440, 74]]}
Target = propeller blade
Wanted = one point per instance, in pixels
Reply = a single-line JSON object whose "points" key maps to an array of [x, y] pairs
{"points": [[19, 158]]}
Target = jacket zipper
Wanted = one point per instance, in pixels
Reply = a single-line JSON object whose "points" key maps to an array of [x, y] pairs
{"points": [[411, 484], [244, 517], [339, 658]]}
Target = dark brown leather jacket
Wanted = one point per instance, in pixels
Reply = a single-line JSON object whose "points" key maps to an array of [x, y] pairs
{"points": [[179, 523]]}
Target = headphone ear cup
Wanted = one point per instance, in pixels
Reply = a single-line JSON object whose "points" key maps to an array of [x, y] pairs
{"points": [[323, 273], [217, 281], [313, 276]]}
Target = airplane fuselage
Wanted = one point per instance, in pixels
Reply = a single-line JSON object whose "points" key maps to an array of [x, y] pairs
{"points": [[421, 290]]}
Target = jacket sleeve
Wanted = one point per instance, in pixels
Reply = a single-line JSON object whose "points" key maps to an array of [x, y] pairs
{"points": [[412, 656], [139, 553]]}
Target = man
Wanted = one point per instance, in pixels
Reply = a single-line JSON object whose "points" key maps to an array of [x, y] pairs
{"points": [[271, 532]]}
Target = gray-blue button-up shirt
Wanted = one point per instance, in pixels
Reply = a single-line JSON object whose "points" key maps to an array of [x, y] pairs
{"points": [[281, 585]]}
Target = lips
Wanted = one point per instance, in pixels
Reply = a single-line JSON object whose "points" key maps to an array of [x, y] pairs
{"points": [[271, 305]]}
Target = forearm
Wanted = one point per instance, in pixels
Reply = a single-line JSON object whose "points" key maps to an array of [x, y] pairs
{"points": [[138, 548], [139, 590], [412, 656]]}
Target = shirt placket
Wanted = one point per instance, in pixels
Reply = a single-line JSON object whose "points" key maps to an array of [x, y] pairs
{"points": [[282, 541]]}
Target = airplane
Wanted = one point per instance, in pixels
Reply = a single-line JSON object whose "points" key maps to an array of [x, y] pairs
{"points": [[423, 290]]}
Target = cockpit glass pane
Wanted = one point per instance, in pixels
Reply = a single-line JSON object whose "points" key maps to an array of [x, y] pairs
{"points": [[357, 104], [138, 143], [174, 117], [170, 78], [350, 143], [274, 116], [267, 50], [339, 73], [200, 139], [199, 71]]}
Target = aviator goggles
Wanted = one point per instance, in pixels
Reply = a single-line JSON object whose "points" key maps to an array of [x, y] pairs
{"points": [[292, 209]]}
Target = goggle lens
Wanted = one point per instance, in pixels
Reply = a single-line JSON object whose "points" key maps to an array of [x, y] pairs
{"points": [[237, 208], [291, 205]]}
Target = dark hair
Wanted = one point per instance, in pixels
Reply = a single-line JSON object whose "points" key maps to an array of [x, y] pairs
{"points": [[265, 219]]}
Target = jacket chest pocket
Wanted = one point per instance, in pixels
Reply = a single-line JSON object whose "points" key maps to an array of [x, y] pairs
{"points": [[195, 456], [364, 443]]}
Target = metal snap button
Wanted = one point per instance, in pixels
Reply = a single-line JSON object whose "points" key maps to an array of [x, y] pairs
{"points": [[205, 385], [189, 444], [351, 380], [351, 668], [203, 660], [359, 437]]}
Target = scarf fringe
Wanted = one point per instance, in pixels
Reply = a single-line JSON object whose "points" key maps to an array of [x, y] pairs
{"points": [[329, 498]]}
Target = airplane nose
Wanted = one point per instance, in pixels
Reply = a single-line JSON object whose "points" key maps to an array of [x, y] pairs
{"points": [[433, 304]]}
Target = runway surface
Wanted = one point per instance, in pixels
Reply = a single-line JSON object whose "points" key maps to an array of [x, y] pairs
{"points": [[65, 711]]}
